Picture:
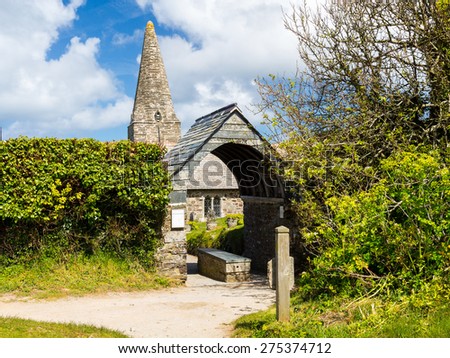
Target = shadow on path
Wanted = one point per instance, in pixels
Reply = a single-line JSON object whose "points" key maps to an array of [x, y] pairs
{"points": [[192, 268]]}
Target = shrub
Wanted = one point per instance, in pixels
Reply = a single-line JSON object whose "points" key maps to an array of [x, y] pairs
{"points": [[394, 235], [221, 237], [81, 196]]}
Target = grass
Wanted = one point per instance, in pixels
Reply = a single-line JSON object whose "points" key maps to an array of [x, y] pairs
{"points": [[46, 278], [23, 328], [340, 318], [221, 237]]}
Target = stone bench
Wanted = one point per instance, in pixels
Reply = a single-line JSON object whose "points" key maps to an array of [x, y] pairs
{"points": [[223, 266]]}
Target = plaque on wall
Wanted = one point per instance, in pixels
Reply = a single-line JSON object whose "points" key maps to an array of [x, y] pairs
{"points": [[177, 218]]}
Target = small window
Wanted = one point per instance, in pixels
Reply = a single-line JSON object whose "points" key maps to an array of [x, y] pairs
{"points": [[207, 206], [216, 206]]}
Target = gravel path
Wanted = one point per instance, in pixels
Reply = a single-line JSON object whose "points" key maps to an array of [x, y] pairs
{"points": [[201, 308]]}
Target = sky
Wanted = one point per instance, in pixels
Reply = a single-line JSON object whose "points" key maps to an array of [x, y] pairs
{"points": [[69, 68]]}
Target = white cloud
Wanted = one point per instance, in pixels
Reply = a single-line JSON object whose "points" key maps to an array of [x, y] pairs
{"points": [[143, 4], [123, 39], [211, 96], [222, 48], [40, 97]]}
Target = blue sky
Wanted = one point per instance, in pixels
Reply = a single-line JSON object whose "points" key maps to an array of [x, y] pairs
{"points": [[69, 68]]}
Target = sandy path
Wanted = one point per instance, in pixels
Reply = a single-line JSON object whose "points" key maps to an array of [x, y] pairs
{"points": [[202, 308]]}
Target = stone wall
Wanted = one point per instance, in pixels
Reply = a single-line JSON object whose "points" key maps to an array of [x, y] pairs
{"points": [[261, 217], [171, 256], [197, 173], [149, 131], [211, 173], [231, 203]]}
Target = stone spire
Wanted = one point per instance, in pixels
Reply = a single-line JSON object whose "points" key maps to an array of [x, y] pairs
{"points": [[153, 119]]}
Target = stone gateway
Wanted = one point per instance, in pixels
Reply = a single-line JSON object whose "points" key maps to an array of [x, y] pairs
{"points": [[221, 165]]}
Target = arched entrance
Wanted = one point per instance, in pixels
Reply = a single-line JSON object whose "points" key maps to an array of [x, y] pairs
{"points": [[263, 195], [228, 135]]}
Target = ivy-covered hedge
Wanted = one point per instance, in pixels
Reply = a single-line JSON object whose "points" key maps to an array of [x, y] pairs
{"points": [[81, 195]]}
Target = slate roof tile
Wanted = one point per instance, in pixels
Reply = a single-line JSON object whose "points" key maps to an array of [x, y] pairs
{"points": [[200, 132]]}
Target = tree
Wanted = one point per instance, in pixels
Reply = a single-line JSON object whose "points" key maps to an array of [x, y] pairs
{"points": [[374, 79], [386, 63]]}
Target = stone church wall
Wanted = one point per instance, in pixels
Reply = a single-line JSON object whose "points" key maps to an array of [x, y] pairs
{"points": [[231, 203]]}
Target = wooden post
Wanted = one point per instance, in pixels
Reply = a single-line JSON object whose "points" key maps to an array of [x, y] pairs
{"points": [[282, 271]]}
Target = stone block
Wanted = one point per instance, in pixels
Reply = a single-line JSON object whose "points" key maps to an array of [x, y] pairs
{"points": [[223, 266]]}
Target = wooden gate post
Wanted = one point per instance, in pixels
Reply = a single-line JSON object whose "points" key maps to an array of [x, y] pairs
{"points": [[282, 271]]}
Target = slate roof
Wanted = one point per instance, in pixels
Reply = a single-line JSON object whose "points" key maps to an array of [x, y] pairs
{"points": [[199, 134]]}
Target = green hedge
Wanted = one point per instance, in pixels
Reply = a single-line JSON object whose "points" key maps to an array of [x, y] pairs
{"points": [[81, 195]]}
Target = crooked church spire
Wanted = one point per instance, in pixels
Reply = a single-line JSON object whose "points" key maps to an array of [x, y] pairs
{"points": [[153, 119]]}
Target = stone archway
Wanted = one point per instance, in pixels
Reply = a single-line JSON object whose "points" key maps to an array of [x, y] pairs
{"points": [[228, 135], [263, 195]]}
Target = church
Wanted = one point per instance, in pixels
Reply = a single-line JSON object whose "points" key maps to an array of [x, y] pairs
{"points": [[211, 186], [221, 165]]}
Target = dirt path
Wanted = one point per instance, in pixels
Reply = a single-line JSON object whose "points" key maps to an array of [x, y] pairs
{"points": [[202, 308]]}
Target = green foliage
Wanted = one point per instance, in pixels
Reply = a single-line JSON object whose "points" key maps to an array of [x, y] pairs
{"points": [[232, 240], [196, 238], [341, 318], [66, 196], [394, 235], [221, 237], [238, 217], [363, 130], [364, 137]]}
